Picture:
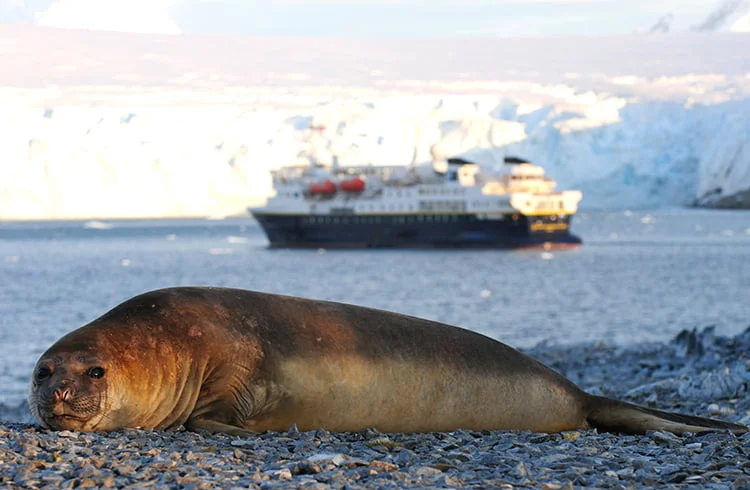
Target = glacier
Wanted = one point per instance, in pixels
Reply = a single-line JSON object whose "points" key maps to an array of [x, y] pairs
{"points": [[133, 126]]}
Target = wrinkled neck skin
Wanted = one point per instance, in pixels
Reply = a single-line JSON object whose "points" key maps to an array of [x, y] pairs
{"points": [[161, 393]]}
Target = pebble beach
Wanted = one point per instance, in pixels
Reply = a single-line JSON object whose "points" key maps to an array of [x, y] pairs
{"points": [[695, 373]]}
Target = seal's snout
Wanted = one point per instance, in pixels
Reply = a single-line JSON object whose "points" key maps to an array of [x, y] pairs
{"points": [[65, 392]]}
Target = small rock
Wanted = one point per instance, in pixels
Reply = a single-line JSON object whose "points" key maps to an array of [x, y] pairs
{"points": [[427, 472], [242, 443], [293, 431], [323, 457], [663, 437], [304, 468], [383, 466], [283, 474]]}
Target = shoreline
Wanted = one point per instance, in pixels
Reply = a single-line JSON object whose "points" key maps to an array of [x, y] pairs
{"points": [[695, 373]]}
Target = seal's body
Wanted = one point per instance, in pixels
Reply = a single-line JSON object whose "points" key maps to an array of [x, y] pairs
{"points": [[234, 361]]}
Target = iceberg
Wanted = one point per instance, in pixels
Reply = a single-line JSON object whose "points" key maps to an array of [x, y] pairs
{"points": [[114, 125]]}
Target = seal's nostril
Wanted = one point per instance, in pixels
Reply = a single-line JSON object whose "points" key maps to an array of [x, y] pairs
{"points": [[62, 394]]}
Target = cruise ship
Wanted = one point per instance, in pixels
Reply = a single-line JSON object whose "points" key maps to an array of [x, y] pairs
{"points": [[455, 204]]}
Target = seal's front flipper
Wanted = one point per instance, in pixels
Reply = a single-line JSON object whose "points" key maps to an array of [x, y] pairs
{"points": [[217, 427], [611, 415]]}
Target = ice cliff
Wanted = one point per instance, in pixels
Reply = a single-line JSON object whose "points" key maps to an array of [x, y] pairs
{"points": [[655, 133]]}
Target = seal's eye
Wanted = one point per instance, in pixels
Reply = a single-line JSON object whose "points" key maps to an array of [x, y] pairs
{"points": [[95, 372], [43, 373]]}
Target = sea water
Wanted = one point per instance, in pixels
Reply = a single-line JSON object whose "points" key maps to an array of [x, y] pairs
{"points": [[640, 276]]}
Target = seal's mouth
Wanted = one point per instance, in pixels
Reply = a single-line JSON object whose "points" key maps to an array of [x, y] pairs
{"points": [[62, 421]]}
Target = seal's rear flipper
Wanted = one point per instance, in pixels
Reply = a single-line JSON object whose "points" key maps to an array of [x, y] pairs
{"points": [[616, 416]]}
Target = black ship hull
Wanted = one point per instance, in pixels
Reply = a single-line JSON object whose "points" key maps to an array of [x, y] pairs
{"points": [[416, 231]]}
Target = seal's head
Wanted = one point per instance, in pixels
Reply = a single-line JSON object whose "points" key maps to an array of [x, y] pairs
{"points": [[69, 389], [139, 365]]}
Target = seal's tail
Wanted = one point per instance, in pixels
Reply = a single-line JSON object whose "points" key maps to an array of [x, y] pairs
{"points": [[612, 415]]}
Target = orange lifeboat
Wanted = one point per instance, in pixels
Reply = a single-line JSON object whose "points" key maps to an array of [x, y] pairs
{"points": [[353, 185], [326, 187]]}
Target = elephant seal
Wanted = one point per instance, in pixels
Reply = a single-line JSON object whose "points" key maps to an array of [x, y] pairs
{"points": [[234, 361]]}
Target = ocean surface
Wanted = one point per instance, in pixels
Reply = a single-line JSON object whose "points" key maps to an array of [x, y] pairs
{"points": [[640, 276]]}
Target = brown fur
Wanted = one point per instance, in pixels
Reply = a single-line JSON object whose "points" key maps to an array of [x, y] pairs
{"points": [[228, 360]]}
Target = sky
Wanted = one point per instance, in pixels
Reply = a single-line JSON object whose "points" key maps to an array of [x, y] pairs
{"points": [[384, 18]]}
